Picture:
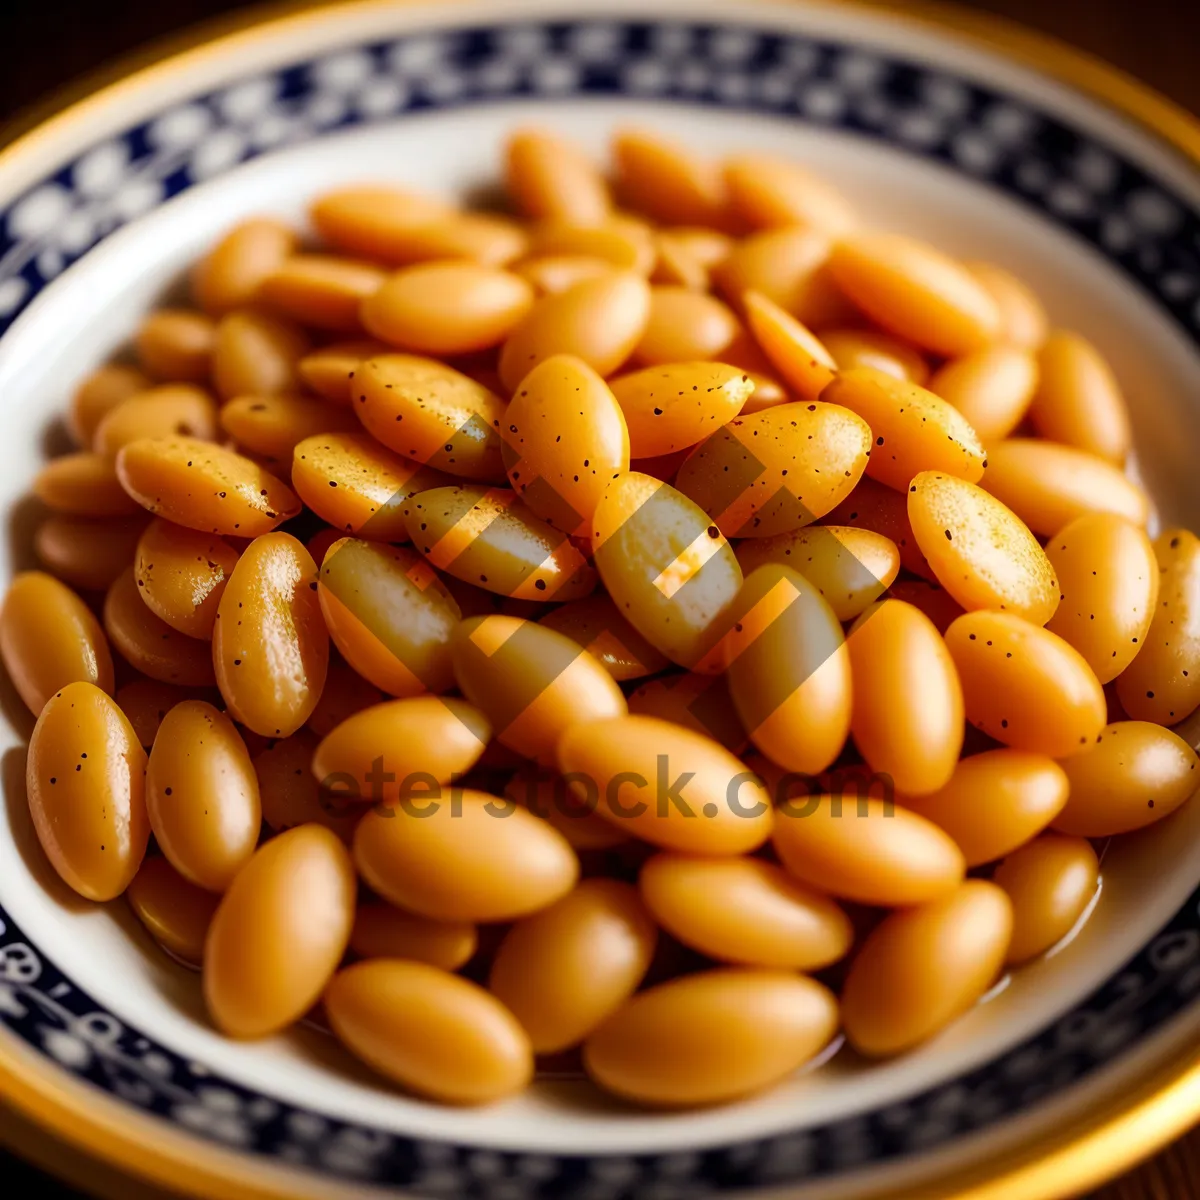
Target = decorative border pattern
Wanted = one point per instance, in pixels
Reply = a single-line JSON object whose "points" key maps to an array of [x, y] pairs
{"points": [[1081, 185]]}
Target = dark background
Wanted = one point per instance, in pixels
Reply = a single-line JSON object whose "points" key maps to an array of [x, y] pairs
{"points": [[45, 44]]}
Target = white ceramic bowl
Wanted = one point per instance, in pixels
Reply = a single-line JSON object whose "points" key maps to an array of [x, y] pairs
{"points": [[929, 131]]}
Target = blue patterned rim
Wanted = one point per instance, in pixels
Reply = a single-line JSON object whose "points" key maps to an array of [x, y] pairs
{"points": [[1065, 175]]}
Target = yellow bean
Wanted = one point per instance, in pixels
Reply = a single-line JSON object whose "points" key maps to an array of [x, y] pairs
{"points": [[549, 177], [176, 345], [272, 426], [701, 703], [923, 968], [684, 326], [146, 702], [667, 182], [182, 574], [181, 409], [795, 352], [597, 624], [884, 511], [434, 1033], [375, 221], [625, 248], [279, 933], [85, 782], [230, 275], [1023, 320], [851, 348], [321, 290], [991, 387], [290, 795], [329, 371], [675, 265], [87, 553], [83, 485], [345, 693], [257, 354], [103, 389], [767, 192], [712, 1037], [381, 931], [176, 913], [554, 273], [549, 796]]}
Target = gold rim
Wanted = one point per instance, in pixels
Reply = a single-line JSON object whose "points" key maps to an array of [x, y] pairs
{"points": [[1085, 1152]]}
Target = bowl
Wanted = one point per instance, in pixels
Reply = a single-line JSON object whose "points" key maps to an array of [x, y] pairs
{"points": [[988, 141]]}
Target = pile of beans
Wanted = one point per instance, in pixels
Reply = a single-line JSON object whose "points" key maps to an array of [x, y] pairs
{"points": [[743, 629]]}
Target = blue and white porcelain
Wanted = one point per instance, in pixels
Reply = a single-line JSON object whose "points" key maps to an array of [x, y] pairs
{"points": [[102, 210]]}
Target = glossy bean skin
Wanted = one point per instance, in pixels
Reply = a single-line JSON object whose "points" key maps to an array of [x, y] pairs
{"points": [[290, 795], [434, 1033], [486, 536], [181, 574], [202, 795], [357, 485], [203, 486], [431, 414], [744, 911], [874, 853], [1050, 883], [1048, 485], [230, 275], [914, 429], [270, 647], [850, 567], [87, 553], [422, 738], [175, 345], [979, 550], [711, 1037], [257, 353], [995, 802], [322, 290], [701, 703], [1023, 321], [908, 705], [85, 779], [565, 970], [992, 388], [279, 933], [597, 625], [549, 177], [329, 371], [463, 856], [960, 941], [272, 426], [767, 192], [669, 569], [531, 682], [915, 292], [564, 438], [1135, 774], [788, 669], [389, 615], [175, 912], [381, 931], [850, 348], [1025, 686], [621, 757], [803, 363], [624, 246], [549, 796], [1078, 400], [599, 320], [145, 702], [49, 638], [376, 221], [777, 470], [1163, 682], [1109, 583], [665, 180], [447, 308], [883, 511], [171, 409], [148, 643], [674, 406], [684, 325], [83, 485], [98, 392]]}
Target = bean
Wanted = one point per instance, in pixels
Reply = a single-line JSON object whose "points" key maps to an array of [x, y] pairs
{"points": [[375, 221], [550, 796], [176, 345], [1025, 686], [87, 553], [850, 348], [146, 702], [1078, 400], [995, 802], [270, 427], [381, 931], [596, 624], [883, 511], [744, 911], [1163, 682], [1050, 883], [321, 290], [1134, 774], [924, 967], [553, 273], [172, 409], [628, 247], [701, 703], [290, 794], [257, 354], [676, 266], [979, 550], [202, 795], [83, 485], [795, 352], [931, 598], [712, 1037], [684, 326], [230, 275], [329, 371], [768, 192], [915, 292], [434, 1033], [270, 647], [85, 780], [103, 389], [389, 615], [176, 913], [279, 933], [181, 574], [665, 181], [345, 693], [992, 388], [565, 970], [551, 178], [1023, 320], [1048, 485], [203, 486]]}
